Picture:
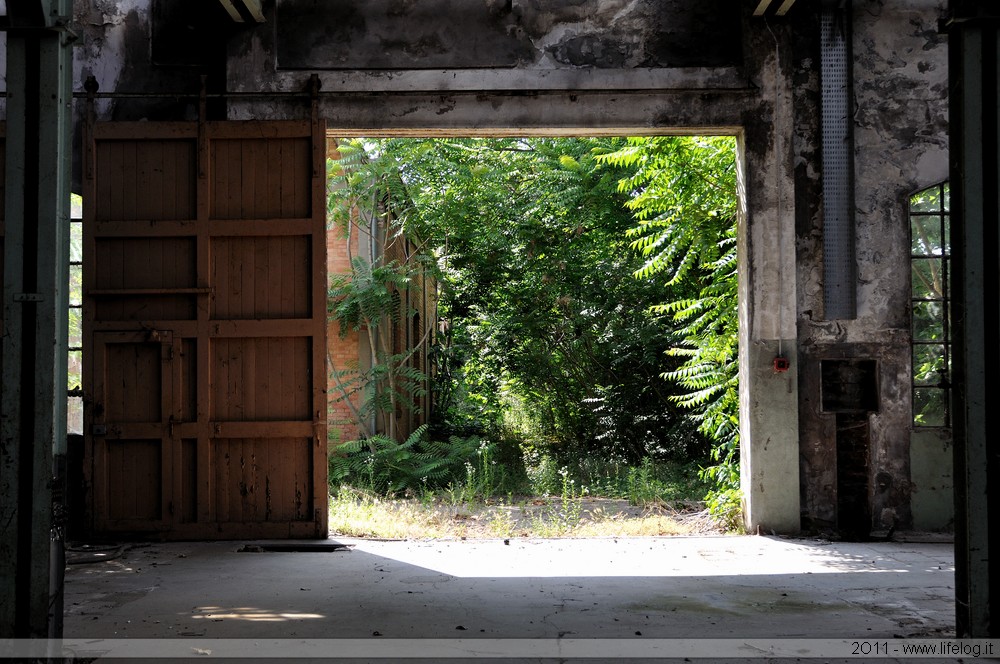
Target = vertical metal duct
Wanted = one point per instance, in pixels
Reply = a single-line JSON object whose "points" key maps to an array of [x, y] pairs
{"points": [[839, 266]]}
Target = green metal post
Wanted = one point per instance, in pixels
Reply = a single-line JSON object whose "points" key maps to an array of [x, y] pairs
{"points": [[974, 68], [33, 403]]}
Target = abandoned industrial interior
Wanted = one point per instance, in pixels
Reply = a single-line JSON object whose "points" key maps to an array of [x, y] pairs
{"points": [[196, 134]]}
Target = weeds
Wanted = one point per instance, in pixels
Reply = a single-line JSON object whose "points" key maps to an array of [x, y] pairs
{"points": [[435, 480], [362, 514], [641, 490]]}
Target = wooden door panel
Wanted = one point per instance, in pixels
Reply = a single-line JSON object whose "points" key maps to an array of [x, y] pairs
{"points": [[258, 278], [261, 178], [135, 473], [151, 307], [261, 379], [133, 383], [145, 263], [213, 231], [145, 179], [186, 482], [129, 398], [263, 479]]}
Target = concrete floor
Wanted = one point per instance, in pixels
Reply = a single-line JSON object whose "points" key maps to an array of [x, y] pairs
{"points": [[621, 589]]}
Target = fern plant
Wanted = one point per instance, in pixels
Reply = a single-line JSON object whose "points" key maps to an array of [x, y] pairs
{"points": [[384, 466], [683, 195]]}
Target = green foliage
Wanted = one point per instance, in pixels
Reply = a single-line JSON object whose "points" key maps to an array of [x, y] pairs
{"points": [[726, 505], [369, 204], [641, 488], [368, 293], [531, 239], [383, 466], [481, 477], [683, 194], [575, 274]]}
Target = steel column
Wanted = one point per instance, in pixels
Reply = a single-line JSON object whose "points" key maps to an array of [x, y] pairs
{"points": [[974, 68], [33, 403]]}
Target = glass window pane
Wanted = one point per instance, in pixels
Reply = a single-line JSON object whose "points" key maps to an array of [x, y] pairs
{"points": [[925, 233], [74, 415], [76, 241], [946, 202], [928, 200], [929, 406], [75, 327], [928, 283], [75, 365], [76, 285], [928, 321], [929, 364]]}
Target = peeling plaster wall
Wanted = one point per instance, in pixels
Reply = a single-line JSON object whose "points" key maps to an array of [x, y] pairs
{"points": [[118, 49], [396, 64], [102, 53], [409, 34], [901, 146]]}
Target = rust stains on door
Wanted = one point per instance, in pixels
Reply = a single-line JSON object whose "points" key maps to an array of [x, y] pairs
{"points": [[205, 329]]}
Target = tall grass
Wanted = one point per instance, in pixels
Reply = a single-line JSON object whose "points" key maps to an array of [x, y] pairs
{"points": [[361, 514], [426, 488]]}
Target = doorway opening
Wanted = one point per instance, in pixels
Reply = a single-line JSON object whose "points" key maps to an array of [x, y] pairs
{"points": [[534, 321]]}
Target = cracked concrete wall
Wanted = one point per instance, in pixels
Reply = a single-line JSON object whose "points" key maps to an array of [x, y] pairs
{"points": [[116, 46], [901, 146], [622, 66], [408, 34]]}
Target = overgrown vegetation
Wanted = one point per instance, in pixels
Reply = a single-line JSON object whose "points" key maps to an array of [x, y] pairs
{"points": [[685, 202], [369, 207], [361, 514], [587, 343]]}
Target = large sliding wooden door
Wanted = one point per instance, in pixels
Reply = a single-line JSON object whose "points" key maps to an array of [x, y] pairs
{"points": [[204, 329]]}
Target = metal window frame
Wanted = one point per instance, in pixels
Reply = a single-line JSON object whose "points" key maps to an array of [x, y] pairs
{"points": [[943, 215]]}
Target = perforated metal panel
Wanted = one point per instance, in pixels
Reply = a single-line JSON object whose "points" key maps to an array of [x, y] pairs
{"points": [[839, 266]]}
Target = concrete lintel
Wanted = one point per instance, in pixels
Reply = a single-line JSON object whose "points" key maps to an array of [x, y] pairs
{"points": [[483, 80], [694, 113]]}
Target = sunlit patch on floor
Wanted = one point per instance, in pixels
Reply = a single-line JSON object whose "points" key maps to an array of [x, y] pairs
{"points": [[251, 614]]}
